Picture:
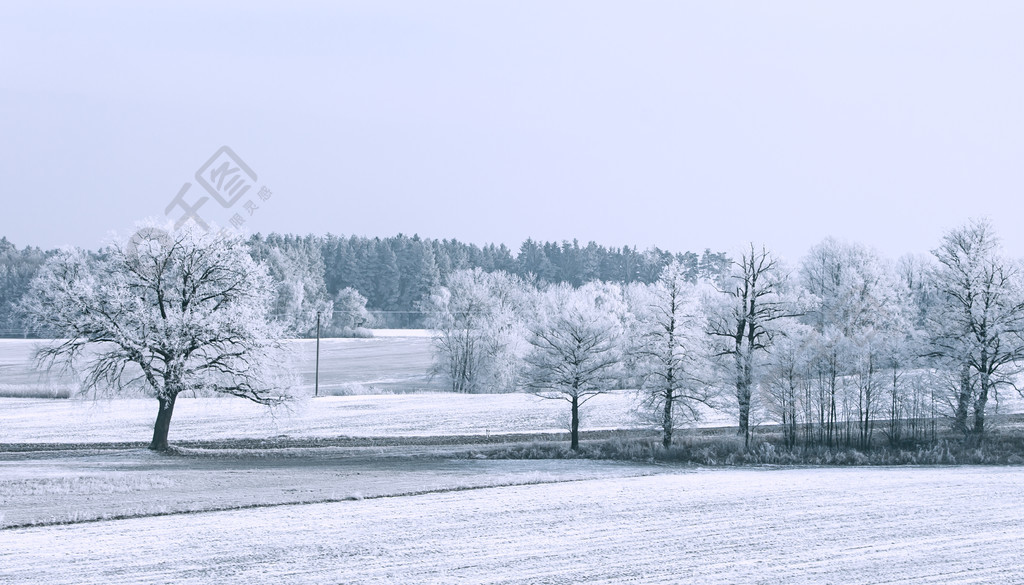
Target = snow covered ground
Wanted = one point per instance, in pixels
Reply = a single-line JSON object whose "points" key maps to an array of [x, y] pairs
{"points": [[389, 393], [75, 486], [814, 526], [408, 514], [402, 333], [388, 377], [395, 360], [426, 414]]}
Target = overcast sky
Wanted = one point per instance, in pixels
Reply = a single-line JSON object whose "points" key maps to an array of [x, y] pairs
{"points": [[681, 125]]}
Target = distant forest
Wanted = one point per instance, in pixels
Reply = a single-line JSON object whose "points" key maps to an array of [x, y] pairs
{"points": [[395, 274]]}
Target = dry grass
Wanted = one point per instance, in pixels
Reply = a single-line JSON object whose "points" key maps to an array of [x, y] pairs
{"points": [[83, 485]]}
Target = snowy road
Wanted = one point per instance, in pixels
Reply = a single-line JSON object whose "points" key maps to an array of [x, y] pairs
{"points": [[865, 525]]}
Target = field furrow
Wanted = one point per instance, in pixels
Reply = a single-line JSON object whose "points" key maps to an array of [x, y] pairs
{"points": [[915, 525]]}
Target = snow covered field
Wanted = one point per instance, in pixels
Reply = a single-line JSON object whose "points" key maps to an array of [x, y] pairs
{"points": [[410, 514], [75, 486], [388, 375], [26, 420], [814, 526], [393, 396], [394, 360]]}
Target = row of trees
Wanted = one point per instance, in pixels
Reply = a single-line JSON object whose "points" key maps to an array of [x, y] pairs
{"points": [[844, 344], [182, 312], [357, 281], [842, 347]]}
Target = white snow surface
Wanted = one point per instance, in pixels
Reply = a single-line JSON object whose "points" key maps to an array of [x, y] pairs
{"points": [[793, 526], [402, 332], [39, 488], [28, 420]]}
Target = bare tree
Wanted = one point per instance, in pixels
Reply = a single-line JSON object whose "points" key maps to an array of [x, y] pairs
{"points": [[978, 327], [742, 322], [575, 350], [669, 349], [165, 314], [862, 313], [786, 384]]}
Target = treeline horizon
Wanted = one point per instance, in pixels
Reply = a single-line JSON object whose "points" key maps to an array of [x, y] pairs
{"points": [[395, 274]]}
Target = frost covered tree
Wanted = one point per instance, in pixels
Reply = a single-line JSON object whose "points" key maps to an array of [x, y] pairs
{"points": [[669, 350], [861, 313], [480, 321], [350, 312], [575, 347], [785, 385], [743, 322], [162, 313], [978, 325], [298, 274], [917, 273], [910, 376]]}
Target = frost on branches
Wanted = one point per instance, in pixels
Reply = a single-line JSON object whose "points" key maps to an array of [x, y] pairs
{"points": [[184, 313], [669, 349], [743, 323], [575, 353], [978, 325], [479, 319]]}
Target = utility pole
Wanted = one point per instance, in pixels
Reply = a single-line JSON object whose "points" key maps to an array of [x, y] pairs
{"points": [[316, 379]]}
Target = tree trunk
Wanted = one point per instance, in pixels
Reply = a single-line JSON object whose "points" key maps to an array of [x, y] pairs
{"points": [[744, 401], [666, 422], [574, 431], [979, 406], [963, 400], [895, 427], [833, 423], [744, 391], [163, 424]]}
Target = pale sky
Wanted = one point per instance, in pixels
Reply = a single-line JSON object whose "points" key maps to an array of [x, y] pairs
{"points": [[685, 125]]}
